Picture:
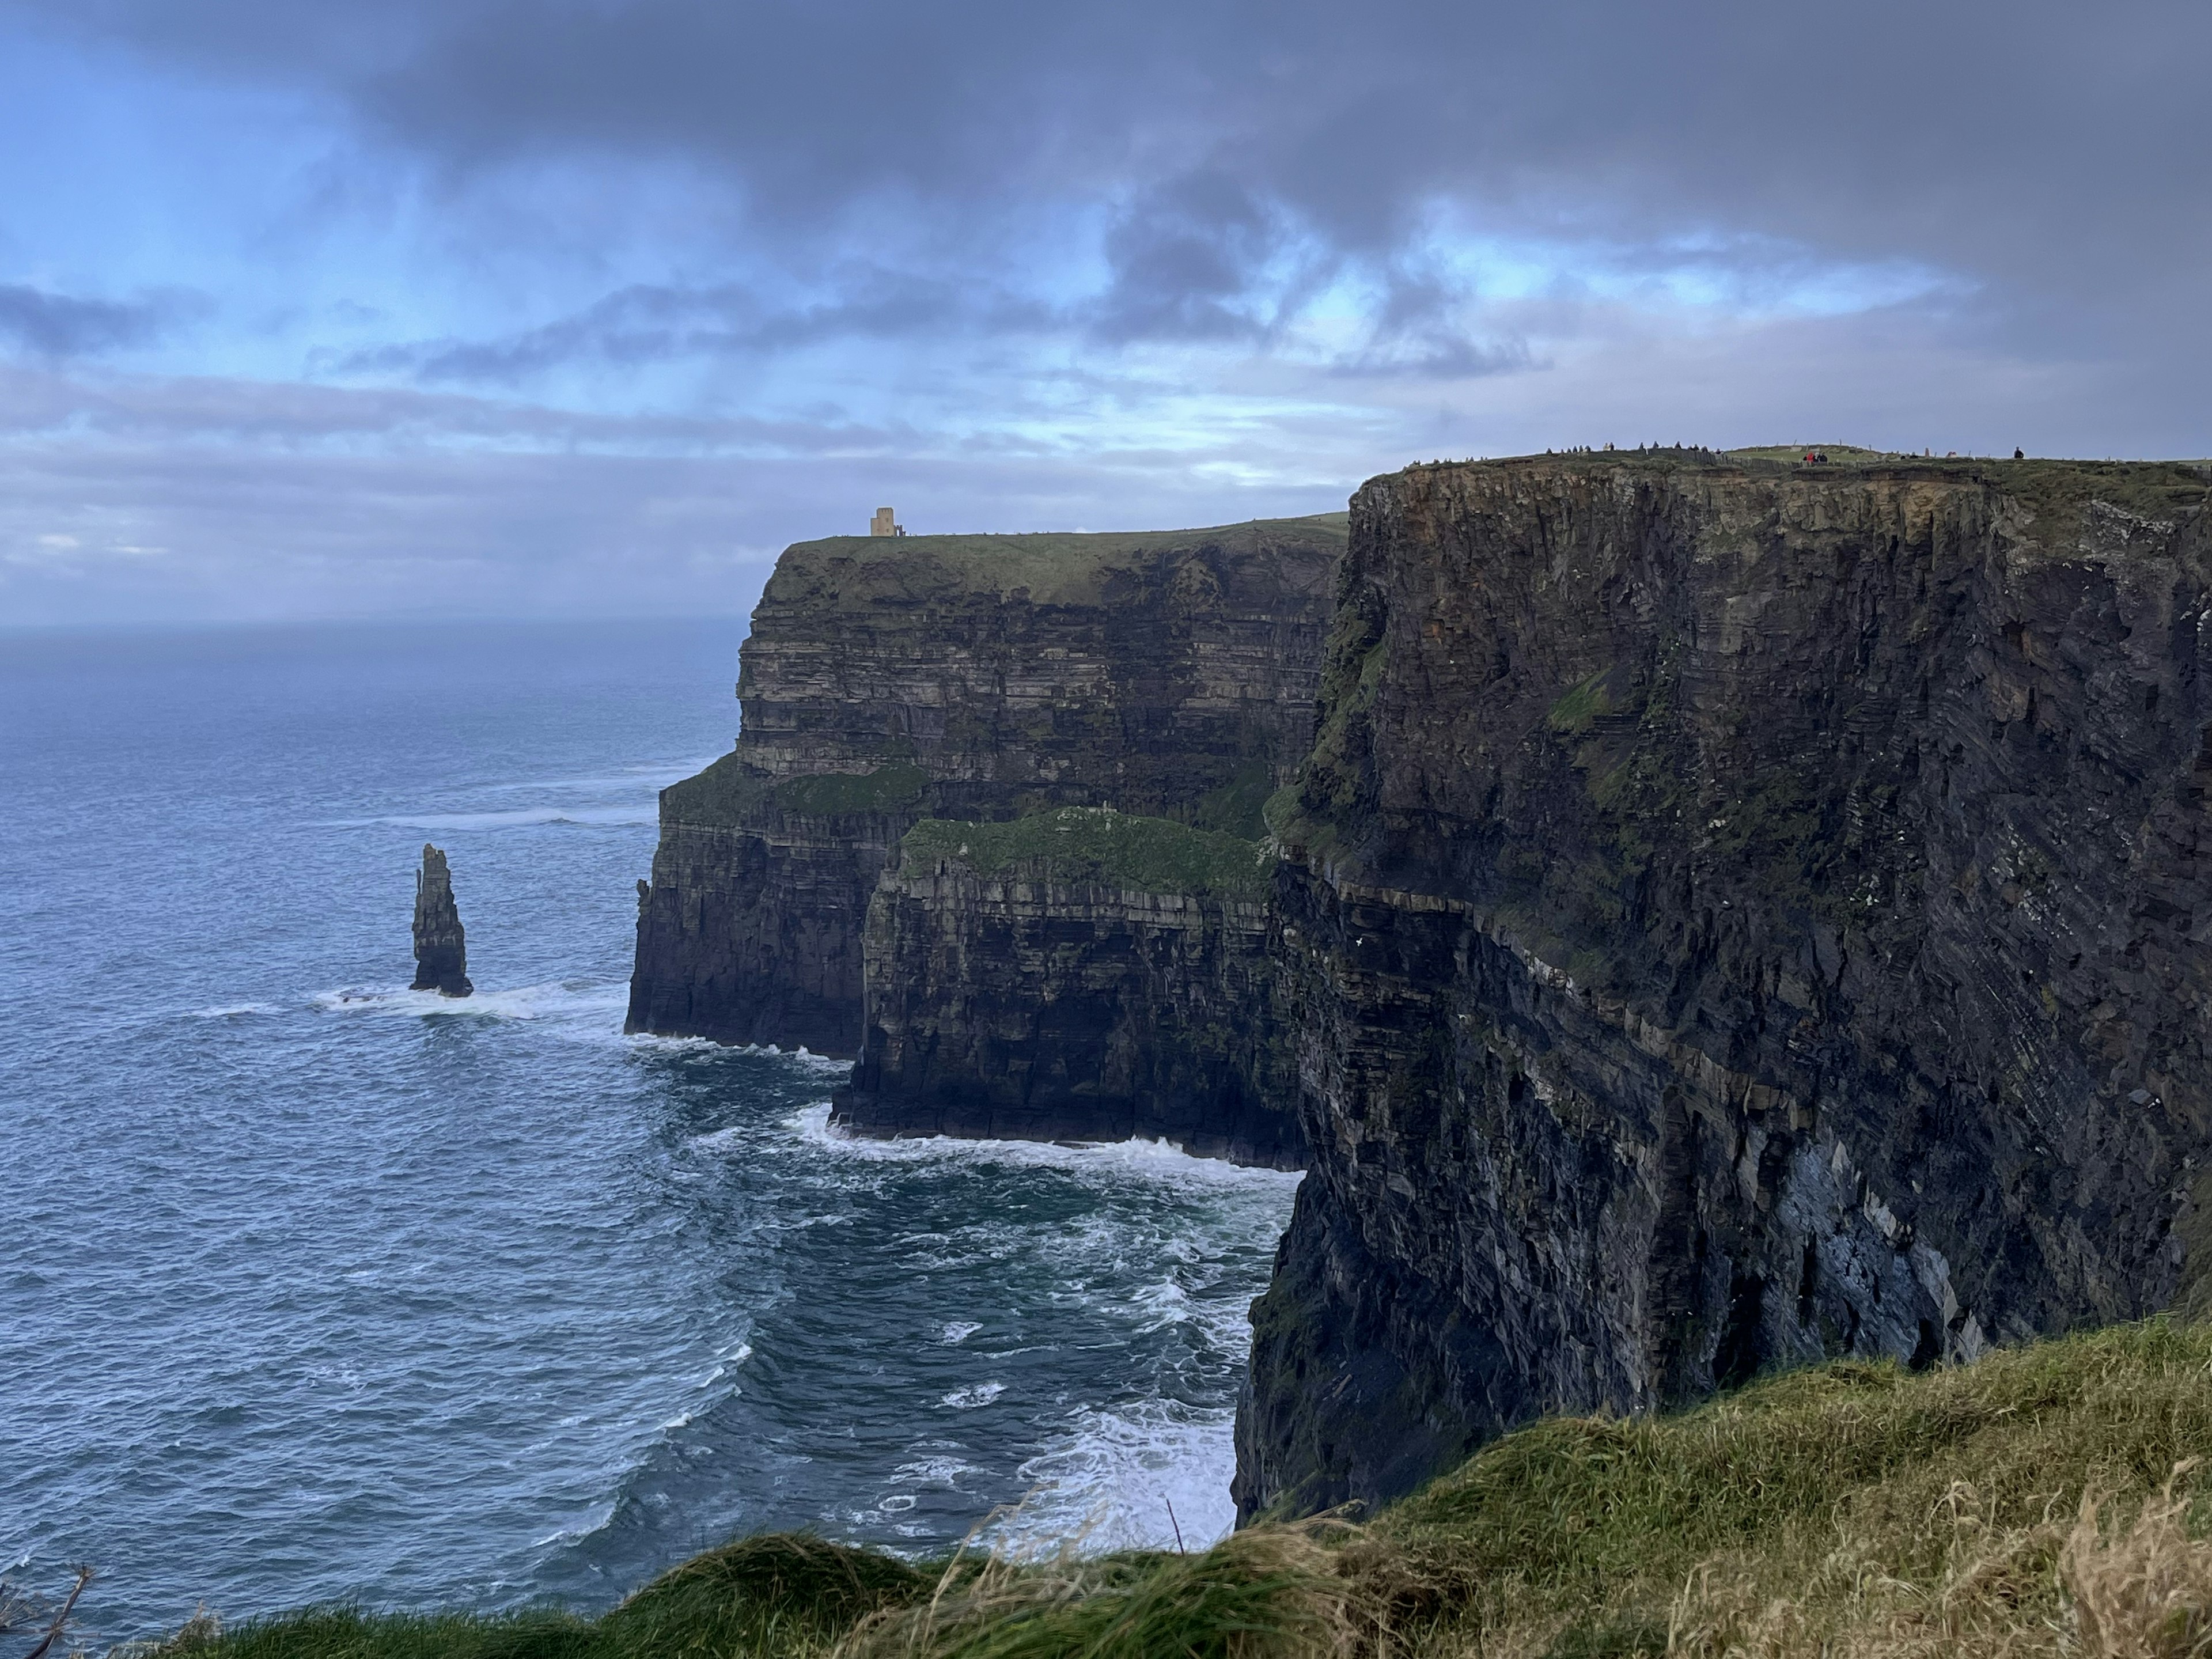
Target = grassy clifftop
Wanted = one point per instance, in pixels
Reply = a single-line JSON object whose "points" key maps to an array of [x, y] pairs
{"points": [[1096, 844], [1054, 567], [2043, 1501]]}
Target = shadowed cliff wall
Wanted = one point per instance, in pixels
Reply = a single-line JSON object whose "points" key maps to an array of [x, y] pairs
{"points": [[1735, 913], [1078, 974], [1168, 673]]}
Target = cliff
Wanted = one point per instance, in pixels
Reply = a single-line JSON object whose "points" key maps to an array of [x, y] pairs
{"points": [[886, 680], [1734, 913], [441, 955], [1075, 974]]}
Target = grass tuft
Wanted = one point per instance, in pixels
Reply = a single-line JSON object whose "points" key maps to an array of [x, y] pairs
{"points": [[2041, 1504], [1272, 1591], [772, 1593], [2146, 1591]]}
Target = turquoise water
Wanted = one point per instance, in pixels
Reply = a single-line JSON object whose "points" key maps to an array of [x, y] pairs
{"points": [[313, 1288]]}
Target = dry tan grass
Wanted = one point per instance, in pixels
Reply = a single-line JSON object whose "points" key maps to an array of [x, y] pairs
{"points": [[1318, 1589], [2144, 1592]]}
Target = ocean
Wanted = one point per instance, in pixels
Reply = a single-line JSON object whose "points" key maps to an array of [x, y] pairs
{"points": [[314, 1289]]}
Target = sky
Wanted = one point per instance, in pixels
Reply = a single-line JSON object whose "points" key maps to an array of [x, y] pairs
{"points": [[575, 307]]}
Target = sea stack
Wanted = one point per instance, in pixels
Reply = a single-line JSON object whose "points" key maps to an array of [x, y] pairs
{"points": [[442, 956]]}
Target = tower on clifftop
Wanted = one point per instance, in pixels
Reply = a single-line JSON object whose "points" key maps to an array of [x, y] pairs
{"points": [[883, 524]]}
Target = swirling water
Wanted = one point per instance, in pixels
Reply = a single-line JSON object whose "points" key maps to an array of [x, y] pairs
{"points": [[312, 1288]]}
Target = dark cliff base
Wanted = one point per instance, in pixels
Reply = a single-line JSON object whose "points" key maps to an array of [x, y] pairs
{"points": [[972, 677], [1076, 975], [1736, 915], [750, 931]]}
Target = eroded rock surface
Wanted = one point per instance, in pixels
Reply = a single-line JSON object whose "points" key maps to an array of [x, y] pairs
{"points": [[1170, 674], [1078, 975], [1734, 913], [442, 956]]}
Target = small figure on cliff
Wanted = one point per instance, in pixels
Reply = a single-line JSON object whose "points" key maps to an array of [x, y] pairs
{"points": [[442, 956], [2020, 454]]}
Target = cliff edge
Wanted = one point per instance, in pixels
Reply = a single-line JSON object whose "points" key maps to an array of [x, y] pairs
{"points": [[1170, 674], [1734, 913]]}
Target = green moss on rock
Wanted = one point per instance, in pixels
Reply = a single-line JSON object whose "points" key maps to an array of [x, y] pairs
{"points": [[883, 790], [1096, 845]]}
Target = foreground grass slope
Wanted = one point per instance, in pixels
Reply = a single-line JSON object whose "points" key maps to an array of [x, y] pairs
{"points": [[2039, 1502]]}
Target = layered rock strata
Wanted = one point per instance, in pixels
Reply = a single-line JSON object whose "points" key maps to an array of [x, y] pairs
{"points": [[441, 953], [1078, 974], [1170, 674], [1734, 913]]}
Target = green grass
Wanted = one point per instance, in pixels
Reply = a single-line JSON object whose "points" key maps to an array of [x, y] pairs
{"points": [[772, 1594], [1055, 568], [1582, 706], [883, 790], [1096, 844], [1848, 1508], [1238, 807], [1837, 454], [726, 792]]}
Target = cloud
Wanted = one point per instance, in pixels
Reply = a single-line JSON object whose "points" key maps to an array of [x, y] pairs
{"points": [[642, 323], [686, 264], [51, 325], [2047, 156]]}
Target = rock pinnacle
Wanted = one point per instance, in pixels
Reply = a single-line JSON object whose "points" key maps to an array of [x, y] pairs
{"points": [[441, 957]]}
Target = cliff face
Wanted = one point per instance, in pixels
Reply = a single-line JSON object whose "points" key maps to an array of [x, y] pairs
{"points": [[1079, 974], [1734, 913], [888, 679], [441, 955]]}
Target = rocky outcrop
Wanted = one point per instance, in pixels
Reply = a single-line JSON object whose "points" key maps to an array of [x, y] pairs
{"points": [[442, 956], [1170, 674], [1079, 974], [1734, 913]]}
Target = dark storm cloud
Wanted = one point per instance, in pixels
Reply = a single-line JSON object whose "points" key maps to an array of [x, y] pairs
{"points": [[1187, 259], [1024, 266], [62, 326], [2051, 152]]}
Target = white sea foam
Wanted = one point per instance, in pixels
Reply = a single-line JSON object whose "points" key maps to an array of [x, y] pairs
{"points": [[803, 1059], [235, 1010], [519, 818], [593, 1518], [675, 1044], [1157, 1160], [1112, 1478], [982, 1394], [958, 1332], [568, 1002]]}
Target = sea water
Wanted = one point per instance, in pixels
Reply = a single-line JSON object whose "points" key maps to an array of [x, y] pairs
{"points": [[313, 1288]]}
